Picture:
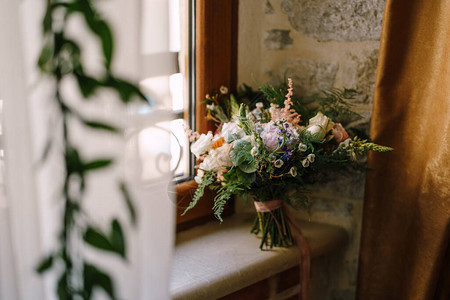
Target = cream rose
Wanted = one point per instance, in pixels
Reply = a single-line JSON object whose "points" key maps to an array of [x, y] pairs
{"points": [[202, 144], [319, 125]]}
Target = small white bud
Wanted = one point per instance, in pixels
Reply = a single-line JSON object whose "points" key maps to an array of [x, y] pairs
{"points": [[305, 163], [293, 171], [254, 151], [278, 163], [311, 157], [223, 90], [302, 147]]}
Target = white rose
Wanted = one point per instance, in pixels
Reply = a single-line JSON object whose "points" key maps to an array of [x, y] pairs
{"points": [[320, 125], [199, 177], [202, 144], [217, 159]]}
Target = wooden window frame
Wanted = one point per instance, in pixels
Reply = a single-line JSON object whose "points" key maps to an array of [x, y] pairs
{"points": [[216, 65]]}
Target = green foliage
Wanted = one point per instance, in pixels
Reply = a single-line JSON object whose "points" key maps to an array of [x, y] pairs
{"points": [[60, 58], [241, 157], [363, 146], [334, 104], [95, 278], [200, 191], [113, 242], [224, 193]]}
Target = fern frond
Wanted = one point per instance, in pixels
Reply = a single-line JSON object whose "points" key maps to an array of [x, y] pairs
{"points": [[199, 192], [223, 195]]}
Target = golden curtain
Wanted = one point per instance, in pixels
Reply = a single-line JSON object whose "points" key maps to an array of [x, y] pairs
{"points": [[405, 243]]}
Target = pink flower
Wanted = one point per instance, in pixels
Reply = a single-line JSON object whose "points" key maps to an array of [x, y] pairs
{"points": [[339, 133], [272, 134]]}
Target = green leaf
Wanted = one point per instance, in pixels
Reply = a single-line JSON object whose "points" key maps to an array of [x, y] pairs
{"points": [[126, 90], [45, 264], [207, 180], [97, 164], [247, 178], [118, 238], [241, 152], [47, 21], [45, 56], [87, 85], [101, 126], [62, 289], [104, 32], [248, 167], [128, 202], [97, 239], [96, 278], [115, 242], [73, 161]]}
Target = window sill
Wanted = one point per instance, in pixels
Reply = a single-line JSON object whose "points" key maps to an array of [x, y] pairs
{"points": [[214, 260]]}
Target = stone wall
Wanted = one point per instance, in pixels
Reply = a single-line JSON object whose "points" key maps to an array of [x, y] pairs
{"points": [[319, 44]]}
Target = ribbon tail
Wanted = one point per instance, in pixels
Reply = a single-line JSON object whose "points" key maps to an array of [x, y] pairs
{"points": [[305, 255]]}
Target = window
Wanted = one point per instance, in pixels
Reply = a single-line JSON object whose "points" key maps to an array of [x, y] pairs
{"points": [[187, 57], [215, 64]]}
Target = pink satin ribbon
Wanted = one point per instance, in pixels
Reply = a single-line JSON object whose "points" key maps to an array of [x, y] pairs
{"points": [[302, 244]]}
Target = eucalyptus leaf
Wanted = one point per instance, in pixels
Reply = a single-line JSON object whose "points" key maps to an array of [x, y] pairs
{"points": [[241, 152]]}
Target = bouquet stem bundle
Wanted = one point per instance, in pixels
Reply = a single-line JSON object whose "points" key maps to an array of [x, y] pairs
{"points": [[273, 225]]}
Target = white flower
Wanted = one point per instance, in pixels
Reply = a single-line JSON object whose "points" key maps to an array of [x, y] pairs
{"points": [[345, 144], [254, 151], [305, 163], [319, 125], [199, 177], [278, 163], [202, 144], [217, 158], [302, 147], [223, 90], [293, 171], [259, 105], [311, 157], [210, 106]]}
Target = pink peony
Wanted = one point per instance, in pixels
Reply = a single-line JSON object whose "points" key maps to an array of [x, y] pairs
{"points": [[339, 133], [272, 133]]}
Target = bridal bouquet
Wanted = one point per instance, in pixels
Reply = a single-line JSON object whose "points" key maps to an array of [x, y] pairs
{"points": [[268, 152]]}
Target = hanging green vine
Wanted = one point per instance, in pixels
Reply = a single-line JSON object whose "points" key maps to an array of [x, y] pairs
{"points": [[60, 60]]}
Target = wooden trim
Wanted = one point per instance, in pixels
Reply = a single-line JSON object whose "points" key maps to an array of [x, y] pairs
{"points": [[216, 65]]}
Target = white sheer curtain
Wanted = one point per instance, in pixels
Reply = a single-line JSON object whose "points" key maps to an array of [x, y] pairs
{"points": [[30, 204]]}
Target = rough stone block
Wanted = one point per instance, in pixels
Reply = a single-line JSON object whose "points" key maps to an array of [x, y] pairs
{"points": [[325, 20], [349, 185], [309, 76], [360, 73], [278, 39], [268, 8]]}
